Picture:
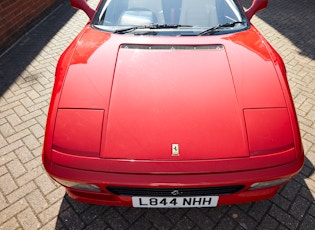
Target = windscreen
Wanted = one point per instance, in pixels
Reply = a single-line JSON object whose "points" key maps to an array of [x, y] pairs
{"points": [[187, 15]]}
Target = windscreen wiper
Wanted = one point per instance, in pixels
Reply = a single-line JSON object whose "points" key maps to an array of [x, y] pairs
{"points": [[218, 28], [149, 26]]}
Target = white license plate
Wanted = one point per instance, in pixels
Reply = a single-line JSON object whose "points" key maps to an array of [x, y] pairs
{"points": [[175, 202]]}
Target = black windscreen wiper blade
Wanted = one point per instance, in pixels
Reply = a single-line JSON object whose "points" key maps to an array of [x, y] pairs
{"points": [[150, 26], [217, 28]]}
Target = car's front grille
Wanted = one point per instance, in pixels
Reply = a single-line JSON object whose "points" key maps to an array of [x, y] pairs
{"points": [[206, 191]]}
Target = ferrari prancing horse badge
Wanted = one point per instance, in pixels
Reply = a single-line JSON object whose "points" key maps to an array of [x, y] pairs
{"points": [[175, 150]]}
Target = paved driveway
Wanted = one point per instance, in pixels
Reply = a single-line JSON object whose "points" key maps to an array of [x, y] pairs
{"points": [[30, 200]]}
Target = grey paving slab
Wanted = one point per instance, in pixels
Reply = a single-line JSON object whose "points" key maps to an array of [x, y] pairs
{"points": [[30, 200]]}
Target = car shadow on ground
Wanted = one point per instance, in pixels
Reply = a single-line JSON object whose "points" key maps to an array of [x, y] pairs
{"points": [[291, 17], [22, 54], [292, 208]]}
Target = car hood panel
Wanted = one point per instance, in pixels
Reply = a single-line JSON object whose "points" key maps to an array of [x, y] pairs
{"points": [[164, 96], [153, 98]]}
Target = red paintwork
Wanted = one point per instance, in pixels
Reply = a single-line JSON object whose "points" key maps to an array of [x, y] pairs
{"points": [[151, 108], [66, 136], [261, 123], [115, 113]]}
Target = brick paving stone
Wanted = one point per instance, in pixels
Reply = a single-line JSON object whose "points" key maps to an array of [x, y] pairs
{"points": [[3, 202], [305, 192], [3, 170], [311, 186], [34, 163], [2, 141], [77, 207], [175, 215], [10, 212], [14, 120], [51, 213], [18, 136], [37, 130], [37, 201], [16, 168], [281, 202], [6, 130], [24, 125], [10, 224], [7, 184], [10, 155], [226, 223], [199, 218], [218, 213], [290, 190], [116, 221], [299, 208], [94, 212], [259, 210], [131, 214], [45, 184], [71, 220], [283, 217], [269, 223], [51, 225], [184, 223], [141, 223], [308, 223], [29, 176], [21, 192], [31, 142], [29, 199], [242, 218], [28, 219], [56, 195]]}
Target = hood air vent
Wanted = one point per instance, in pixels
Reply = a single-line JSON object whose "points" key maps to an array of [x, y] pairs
{"points": [[172, 47]]}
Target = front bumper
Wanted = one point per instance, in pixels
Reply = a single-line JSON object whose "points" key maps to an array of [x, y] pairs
{"points": [[174, 181]]}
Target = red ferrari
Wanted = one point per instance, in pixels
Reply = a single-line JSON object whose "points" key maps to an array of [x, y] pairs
{"points": [[171, 103]]}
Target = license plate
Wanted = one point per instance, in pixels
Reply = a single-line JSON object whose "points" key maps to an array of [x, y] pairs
{"points": [[175, 202]]}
